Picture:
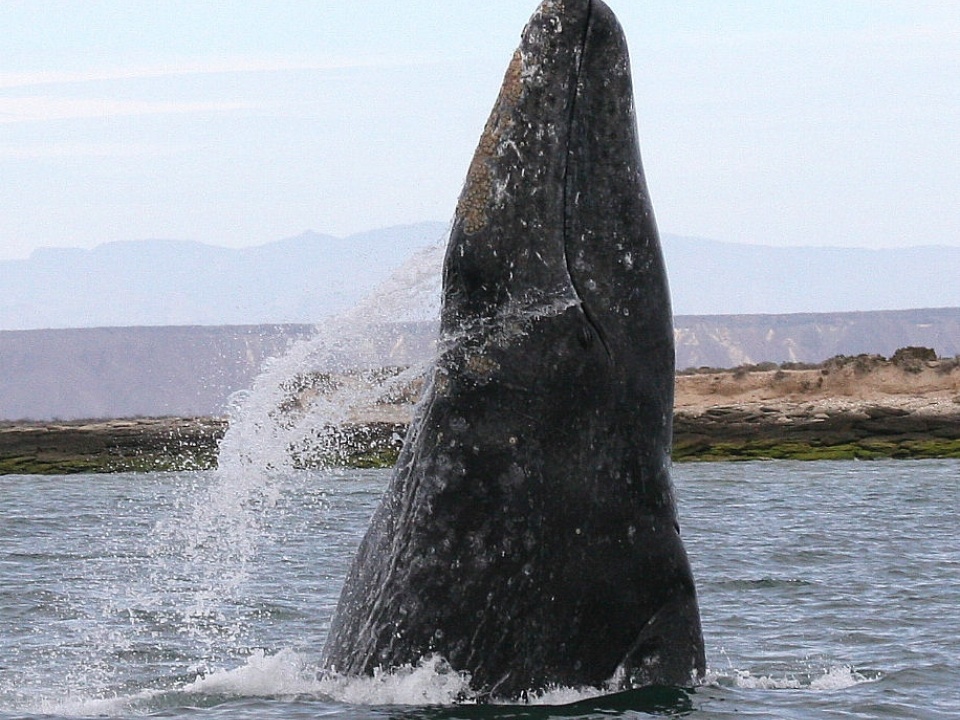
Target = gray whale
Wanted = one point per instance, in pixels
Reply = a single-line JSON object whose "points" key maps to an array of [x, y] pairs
{"points": [[529, 533]]}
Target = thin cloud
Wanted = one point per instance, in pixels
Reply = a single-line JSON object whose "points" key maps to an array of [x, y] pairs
{"points": [[47, 151], [45, 108], [216, 66]]}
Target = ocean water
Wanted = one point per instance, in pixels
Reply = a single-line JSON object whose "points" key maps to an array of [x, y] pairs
{"points": [[827, 590]]}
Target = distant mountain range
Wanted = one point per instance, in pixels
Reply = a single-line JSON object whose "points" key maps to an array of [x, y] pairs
{"points": [[173, 328], [308, 278], [715, 278], [191, 371], [167, 282]]}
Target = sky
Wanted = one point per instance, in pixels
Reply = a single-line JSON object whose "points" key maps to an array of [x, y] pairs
{"points": [[241, 122]]}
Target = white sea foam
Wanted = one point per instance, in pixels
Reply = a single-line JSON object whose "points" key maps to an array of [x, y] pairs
{"points": [[80, 706], [841, 678], [563, 696], [431, 682], [288, 674], [838, 677], [283, 674]]}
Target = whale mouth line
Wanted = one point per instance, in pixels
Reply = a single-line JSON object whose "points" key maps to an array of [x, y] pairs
{"points": [[568, 202]]}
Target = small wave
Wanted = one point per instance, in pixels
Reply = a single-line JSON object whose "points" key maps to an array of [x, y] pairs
{"points": [[564, 696], [100, 707], [839, 677], [433, 682], [284, 674], [287, 675], [764, 583]]}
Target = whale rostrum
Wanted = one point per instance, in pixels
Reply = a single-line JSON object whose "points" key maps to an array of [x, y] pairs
{"points": [[529, 533]]}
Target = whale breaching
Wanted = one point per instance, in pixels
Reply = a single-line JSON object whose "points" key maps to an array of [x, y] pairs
{"points": [[529, 533]]}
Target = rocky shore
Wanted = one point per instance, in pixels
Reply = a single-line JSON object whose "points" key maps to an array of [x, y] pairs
{"points": [[131, 445], [863, 407]]}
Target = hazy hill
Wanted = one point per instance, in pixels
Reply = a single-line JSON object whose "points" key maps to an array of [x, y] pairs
{"points": [[166, 282], [307, 278], [715, 278]]}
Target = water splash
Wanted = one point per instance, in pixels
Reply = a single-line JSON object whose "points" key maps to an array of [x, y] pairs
{"points": [[356, 367], [837, 677], [288, 675], [431, 682], [284, 674], [303, 410]]}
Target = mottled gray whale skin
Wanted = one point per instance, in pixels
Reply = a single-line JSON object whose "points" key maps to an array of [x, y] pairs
{"points": [[529, 533]]}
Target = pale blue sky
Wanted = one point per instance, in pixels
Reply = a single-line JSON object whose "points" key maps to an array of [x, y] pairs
{"points": [[815, 122]]}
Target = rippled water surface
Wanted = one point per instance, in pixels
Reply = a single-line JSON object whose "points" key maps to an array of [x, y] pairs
{"points": [[826, 589]]}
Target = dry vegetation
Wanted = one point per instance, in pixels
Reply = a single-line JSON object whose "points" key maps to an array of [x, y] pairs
{"points": [[914, 379]]}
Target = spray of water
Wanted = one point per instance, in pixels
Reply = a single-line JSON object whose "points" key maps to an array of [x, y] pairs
{"points": [[354, 368], [311, 407]]}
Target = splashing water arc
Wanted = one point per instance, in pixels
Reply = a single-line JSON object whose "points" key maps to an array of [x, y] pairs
{"points": [[298, 407]]}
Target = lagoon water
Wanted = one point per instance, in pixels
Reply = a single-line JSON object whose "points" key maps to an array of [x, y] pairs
{"points": [[827, 590]]}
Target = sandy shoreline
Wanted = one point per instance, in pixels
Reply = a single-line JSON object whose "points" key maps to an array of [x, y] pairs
{"points": [[864, 407], [910, 383]]}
